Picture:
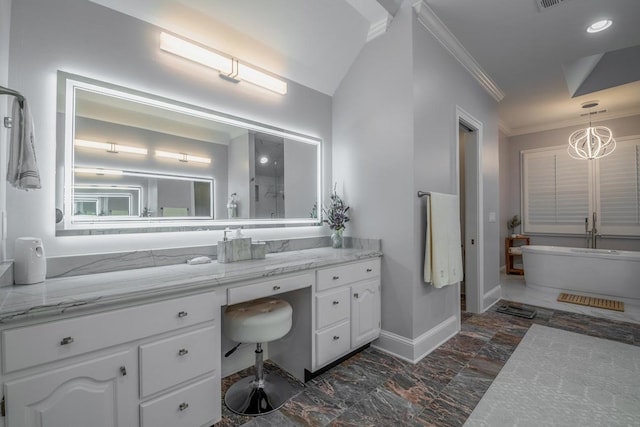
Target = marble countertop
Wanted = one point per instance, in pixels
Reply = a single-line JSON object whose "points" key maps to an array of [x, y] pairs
{"points": [[55, 296]]}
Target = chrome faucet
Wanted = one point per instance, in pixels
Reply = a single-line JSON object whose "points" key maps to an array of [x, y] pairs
{"points": [[591, 236]]}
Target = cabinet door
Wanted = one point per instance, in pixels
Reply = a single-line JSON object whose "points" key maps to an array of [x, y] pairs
{"points": [[98, 393], [365, 312]]}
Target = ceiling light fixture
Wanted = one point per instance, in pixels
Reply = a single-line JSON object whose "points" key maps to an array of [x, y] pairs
{"points": [[600, 25], [182, 157], [593, 142], [109, 147], [230, 68], [264, 160]]}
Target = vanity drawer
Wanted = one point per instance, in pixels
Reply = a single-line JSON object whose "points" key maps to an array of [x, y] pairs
{"points": [[332, 343], [341, 275], [332, 307], [33, 345], [268, 288], [177, 359], [194, 405]]}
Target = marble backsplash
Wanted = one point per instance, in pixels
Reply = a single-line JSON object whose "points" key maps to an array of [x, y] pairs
{"points": [[67, 266]]}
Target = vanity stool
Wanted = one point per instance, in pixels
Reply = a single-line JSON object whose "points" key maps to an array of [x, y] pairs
{"points": [[258, 321]]}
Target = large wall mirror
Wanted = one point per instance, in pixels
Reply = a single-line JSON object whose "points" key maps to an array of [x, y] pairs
{"points": [[130, 161]]}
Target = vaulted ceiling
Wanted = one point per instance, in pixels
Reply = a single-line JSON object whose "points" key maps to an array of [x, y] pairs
{"points": [[542, 59]]}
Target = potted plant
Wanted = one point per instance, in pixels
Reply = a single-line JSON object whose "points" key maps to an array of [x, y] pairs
{"points": [[336, 216], [512, 224]]}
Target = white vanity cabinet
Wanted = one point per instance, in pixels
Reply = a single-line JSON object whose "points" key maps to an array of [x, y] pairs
{"points": [[96, 392], [347, 309], [154, 364]]}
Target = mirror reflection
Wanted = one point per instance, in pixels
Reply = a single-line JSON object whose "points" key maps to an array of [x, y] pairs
{"points": [[136, 158]]}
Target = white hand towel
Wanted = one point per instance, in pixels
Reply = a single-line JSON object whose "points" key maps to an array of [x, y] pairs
{"points": [[443, 254], [22, 170]]}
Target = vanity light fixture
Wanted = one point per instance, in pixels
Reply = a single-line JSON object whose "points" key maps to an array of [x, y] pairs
{"points": [[230, 69], [600, 25], [592, 142], [109, 147], [182, 157], [98, 171]]}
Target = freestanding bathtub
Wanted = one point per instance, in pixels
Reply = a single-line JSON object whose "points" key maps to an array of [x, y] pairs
{"points": [[595, 271]]}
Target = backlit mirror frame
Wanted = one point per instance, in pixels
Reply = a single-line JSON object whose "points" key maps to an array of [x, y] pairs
{"points": [[69, 83]]}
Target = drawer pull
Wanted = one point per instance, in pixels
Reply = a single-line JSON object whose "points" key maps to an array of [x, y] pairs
{"points": [[183, 406], [336, 302], [123, 371], [336, 338], [336, 277], [355, 295], [276, 288], [182, 314], [369, 270], [66, 341], [183, 352]]}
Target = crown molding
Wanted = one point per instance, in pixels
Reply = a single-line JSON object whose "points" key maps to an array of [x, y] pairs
{"points": [[378, 28], [504, 128], [573, 122], [435, 26]]}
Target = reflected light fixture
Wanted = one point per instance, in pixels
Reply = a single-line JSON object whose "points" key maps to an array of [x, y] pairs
{"points": [[600, 25], [230, 68], [264, 160], [593, 142], [182, 157], [109, 147], [98, 171]]}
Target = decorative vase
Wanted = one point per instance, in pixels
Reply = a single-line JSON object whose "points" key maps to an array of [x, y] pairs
{"points": [[337, 239]]}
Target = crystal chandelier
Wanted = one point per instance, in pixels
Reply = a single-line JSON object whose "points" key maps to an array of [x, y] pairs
{"points": [[593, 142]]}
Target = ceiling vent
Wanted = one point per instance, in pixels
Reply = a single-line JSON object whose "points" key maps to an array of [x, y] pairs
{"points": [[546, 4]]}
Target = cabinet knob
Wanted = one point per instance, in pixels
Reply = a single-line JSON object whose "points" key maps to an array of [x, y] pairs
{"points": [[276, 288], [183, 406], [336, 302], [182, 314], [336, 338], [183, 352], [369, 270], [336, 277], [356, 295], [123, 370], [66, 341]]}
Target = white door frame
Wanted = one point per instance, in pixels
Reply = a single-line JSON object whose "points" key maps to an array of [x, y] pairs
{"points": [[476, 305]]}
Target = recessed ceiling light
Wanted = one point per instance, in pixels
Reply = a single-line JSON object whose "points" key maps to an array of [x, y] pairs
{"points": [[598, 26]]}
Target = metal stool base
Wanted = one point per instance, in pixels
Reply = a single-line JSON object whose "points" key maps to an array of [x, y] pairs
{"points": [[247, 397]]}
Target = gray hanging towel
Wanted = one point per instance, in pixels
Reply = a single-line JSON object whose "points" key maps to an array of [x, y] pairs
{"points": [[22, 171]]}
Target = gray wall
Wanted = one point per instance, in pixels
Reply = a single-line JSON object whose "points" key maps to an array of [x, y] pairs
{"points": [[627, 126], [394, 118], [84, 38], [5, 25], [441, 85]]}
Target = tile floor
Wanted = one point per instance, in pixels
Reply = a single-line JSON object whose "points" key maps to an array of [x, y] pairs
{"points": [[376, 389]]}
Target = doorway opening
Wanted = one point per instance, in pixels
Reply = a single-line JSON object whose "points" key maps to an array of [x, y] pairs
{"points": [[469, 176]]}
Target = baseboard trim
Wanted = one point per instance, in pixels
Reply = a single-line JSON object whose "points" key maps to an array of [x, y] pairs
{"points": [[413, 350], [491, 297]]}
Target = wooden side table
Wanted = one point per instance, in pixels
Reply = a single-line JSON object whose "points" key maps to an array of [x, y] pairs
{"points": [[512, 250]]}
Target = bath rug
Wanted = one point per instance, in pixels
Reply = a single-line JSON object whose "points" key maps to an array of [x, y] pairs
{"points": [[607, 304], [557, 378]]}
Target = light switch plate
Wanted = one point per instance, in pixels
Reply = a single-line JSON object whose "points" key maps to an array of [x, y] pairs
{"points": [[492, 217]]}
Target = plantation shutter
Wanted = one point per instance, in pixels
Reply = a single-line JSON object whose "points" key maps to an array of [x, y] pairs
{"points": [[556, 192], [619, 190]]}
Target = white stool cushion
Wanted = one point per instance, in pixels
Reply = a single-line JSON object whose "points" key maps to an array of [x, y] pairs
{"points": [[261, 320]]}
